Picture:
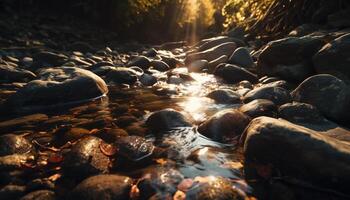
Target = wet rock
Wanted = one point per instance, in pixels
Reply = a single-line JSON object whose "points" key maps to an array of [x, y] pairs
{"points": [[213, 188], [212, 53], [122, 75], [65, 134], [327, 93], [102, 70], [275, 147], [213, 42], [259, 107], [9, 74], [224, 125], [300, 113], [234, 74], [40, 195], [175, 80], [111, 187], [225, 96], [12, 191], [17, 123], [14, 144], [289, 58], [246, 84], [151, 53], [85, 158], [47, 59], [242, 58], [333, 58], [214, 63], [135, 148], [198, 66], [160, 65], [165, 120], [58, 85], [281, 84], [275, 94], [148, 80], [171, 61], [140, 61], [161, 181]]}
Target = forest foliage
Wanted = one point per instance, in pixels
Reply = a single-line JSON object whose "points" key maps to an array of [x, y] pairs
{"points": [[175, 19]]}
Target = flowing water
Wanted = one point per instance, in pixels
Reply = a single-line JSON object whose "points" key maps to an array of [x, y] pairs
{"points": [[195, 154]]}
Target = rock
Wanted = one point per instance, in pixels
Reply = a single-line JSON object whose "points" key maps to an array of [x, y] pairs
{"points": [[106, 187], [214, 63], [40, 195], [9, 74], [224, 125], [234, 74], [259, 107], [58, 85], [212, 53], [165, 120], [171, 61], [327, 93], [213, 188], [333, 58], [85, 158], [303, 30], [148, 79], [175, 80], [140, 61], [160, 65], [275, 147], [213, 42], [47, 59], [151, 53], [12, 191], [122, 75], [225, 96], [275, 94], [281, 84], [242, 58], [160, 180], [300, 113], [289, 58], [15, 144], [198, 66], [13, 124], [135, 148], [246, 84]]}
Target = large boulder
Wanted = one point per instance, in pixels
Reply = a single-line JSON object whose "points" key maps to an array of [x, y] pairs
{"points": [[234, 74], [224, 125], [333, 58], [329, 94], [58, 85], [289, 58], [106, 187], [275, 147], [212, 53]]}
